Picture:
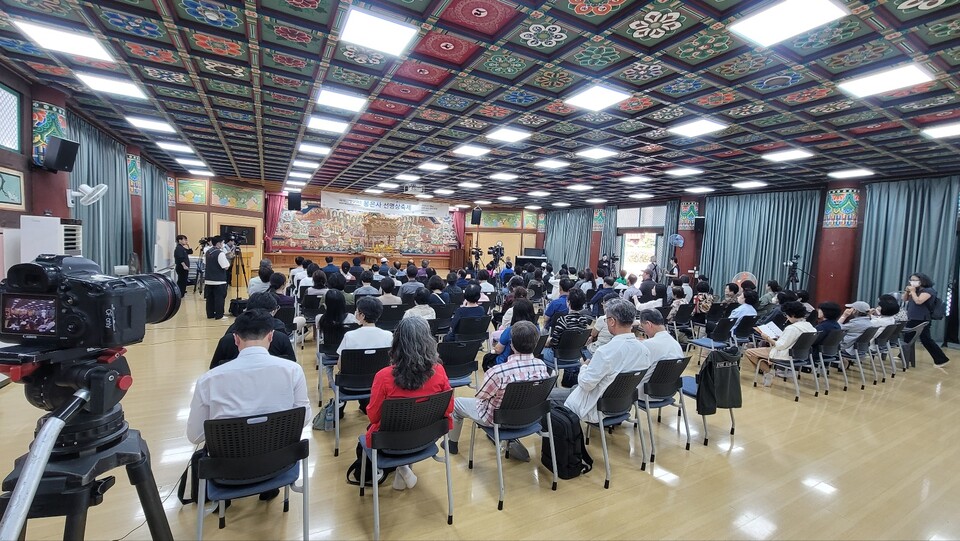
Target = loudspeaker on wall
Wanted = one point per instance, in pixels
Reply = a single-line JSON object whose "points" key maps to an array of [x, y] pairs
{"points": [[294, 201], [699, 223], [475, 216], [60, 154]]}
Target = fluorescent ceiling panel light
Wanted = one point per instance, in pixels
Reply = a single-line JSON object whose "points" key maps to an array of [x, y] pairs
{"points": [[388, 185], [110, 85], [509, 135], [596, 153], [295, 183], [481, 202], [64, 41], [191, 162], [635, 179], [506, 198], [327, 125], [533, 207], [432, 166], [444, 191], [503, 176], [471, 150], [640, 196], [580, 187], [787, 155], [368, 30], [538, 193], [597, 98], [683, 171], [295, 190], [786, 19], [462, 206], [942, 131], [552, 164], [470, 185], [698, 189], [373, 190], [595, 200], [306, 164], [201, 172], [318, 150], [423, 196], [299, 174], [885, 81], [749, 184], [404, 176], [850, 173], [174, 147], [561, 204], [150, 125], [697, 128], [341, 100]]}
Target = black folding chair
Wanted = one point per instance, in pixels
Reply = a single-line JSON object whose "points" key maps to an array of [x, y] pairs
{"points": [[861, 348], [472, 328], [444, 316], [660, 390], [350, 287], [614, 408], [541, 343], [665, 311], [881, 347], [682, 319], [456, 299], [743, 332], [391, 316], [568, 351], [718, 338], [286, 315], [713, 315], [828, 351], [353, 382], [459, 361]]}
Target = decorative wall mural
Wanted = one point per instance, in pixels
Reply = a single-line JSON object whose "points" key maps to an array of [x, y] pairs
{"points": [[192, 192], [529, 219], [688, 211], [11, 190], [225, 195], [48, 121], [541, 222], [840, 210], [134, 175]]}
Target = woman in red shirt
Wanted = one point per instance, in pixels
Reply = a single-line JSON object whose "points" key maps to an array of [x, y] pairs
{"points": [[415, 371]]}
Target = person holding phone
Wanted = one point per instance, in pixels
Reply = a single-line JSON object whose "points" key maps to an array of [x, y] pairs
{"points": [[920, 298]]}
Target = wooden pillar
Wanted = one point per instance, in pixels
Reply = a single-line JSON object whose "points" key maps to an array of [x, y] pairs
{"points": [[49, 189], [689, 255], [838, 252], [135, 188]]}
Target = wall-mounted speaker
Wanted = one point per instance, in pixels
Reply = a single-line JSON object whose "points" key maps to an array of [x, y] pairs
{"points": [[294, 201], [699, 223], [475, 216], [60, 154]]}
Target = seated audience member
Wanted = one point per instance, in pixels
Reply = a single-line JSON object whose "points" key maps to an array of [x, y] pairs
{"points": [[780, 347], [574, 319], [438, 296], [356, 269], [453, 285], [748, 284], [780, 299], [422, 271], [366, 278], [319, 286], [375, 270], [277, 282], [411, 285], [297, 265], [345, 272], [414, 371], [600, 334], [470, 308], [702, 302], [312, 268], [520, 365], [301, 272], [335, 316], [730, 292], [462, 279], [678, 299], [558, 306], [522, 310], [518, 293], [882, 315], [280, 345], [622, 279], [421, 307], [368, 336], [632, 293], [828, 313], [330, 268], [260, 282], [659, 299], [338, 282], [486, 286], [623, 353], [536, 280], [646, 287], [803, 296], [687, 290], [395, 270], [597, 299], [253, 383], [659, 342], [748, 300], [387, 285], [507, 273]]}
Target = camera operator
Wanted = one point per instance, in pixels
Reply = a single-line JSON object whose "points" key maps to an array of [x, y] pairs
{"points": [[215, 278], [604, 264], [181, 262]]}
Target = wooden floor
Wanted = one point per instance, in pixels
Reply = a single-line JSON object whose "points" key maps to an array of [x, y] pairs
{"points": [[873, 464]]}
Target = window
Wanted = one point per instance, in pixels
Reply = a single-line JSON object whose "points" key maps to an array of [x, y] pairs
{"points": [[9, 119], [631, 218]]}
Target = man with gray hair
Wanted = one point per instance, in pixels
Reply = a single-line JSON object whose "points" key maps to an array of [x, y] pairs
{"points": [[622, 353], [659, 342]]}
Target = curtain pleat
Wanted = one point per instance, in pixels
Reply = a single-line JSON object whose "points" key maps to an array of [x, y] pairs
{"points": [[568, 237], [107, 224], [459, 226], [276, 202], [671, 223], [908, 227], [154, 208], [608, 239], [757, 233]]}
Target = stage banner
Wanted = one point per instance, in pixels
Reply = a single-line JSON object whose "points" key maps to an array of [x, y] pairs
{"points": [[396, 207]]}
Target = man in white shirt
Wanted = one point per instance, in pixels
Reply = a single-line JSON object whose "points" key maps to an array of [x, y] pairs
{"points": [[622, 353], [368, 336], [215, 278], [660, 343]]}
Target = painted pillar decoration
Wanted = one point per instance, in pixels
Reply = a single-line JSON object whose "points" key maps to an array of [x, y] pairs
{"points": [[688, 211], [596, 237], [134, 175], [599, 215], [689, 255], [840, 210], [838, 248], [171, 192], [48, 121]]}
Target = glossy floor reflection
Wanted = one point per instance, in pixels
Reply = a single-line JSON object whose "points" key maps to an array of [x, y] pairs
{"points": [[873, 464]]}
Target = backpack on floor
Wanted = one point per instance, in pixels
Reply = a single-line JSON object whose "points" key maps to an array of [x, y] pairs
{"points": [[324, 419], [572, 456], [237, 306], [190, 479], [353, 472]]}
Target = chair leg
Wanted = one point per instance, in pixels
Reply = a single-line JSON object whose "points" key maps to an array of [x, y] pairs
{"points": [[336, 423], [863, 379], [873, 367], [686, 422], [496, 437], [201, 502], [653, 439], [706, 434], [643, 446], [756, 374], [796, 382], [823, 370], [376, 496], [553, 451], [883, 369], [363, 475], [306, 499], [223, 515], [446, 465], [473, 435], [286, 499], [606, 457], [733, 422], [816, 378], [586, 436]]}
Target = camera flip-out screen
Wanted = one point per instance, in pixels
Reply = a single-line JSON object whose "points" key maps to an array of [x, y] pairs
{"points": [[29, 314]]}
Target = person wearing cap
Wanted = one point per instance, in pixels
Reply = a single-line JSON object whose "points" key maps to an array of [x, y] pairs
{"points": [[780, 347], [855, 319]]}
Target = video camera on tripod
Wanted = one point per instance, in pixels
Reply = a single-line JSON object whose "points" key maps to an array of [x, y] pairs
{"points": [[496, 252]]}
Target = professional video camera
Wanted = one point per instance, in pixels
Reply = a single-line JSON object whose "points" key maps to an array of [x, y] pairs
{"points": [[496, 251], [237, 238], [794, 261], [477, 253]]}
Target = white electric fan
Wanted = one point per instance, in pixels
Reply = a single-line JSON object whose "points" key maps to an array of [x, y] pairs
{"points": [[87, 194]]}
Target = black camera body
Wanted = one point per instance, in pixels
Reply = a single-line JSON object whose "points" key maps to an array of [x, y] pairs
{"points": [[65, 302], [476, 252], [495, 251], [237, 238]]}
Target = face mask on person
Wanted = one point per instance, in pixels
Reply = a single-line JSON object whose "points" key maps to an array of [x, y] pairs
{"points": [[915, 283]]}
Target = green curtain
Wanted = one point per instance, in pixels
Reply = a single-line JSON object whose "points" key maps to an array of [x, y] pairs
{"points": [[568, 237], [108, 223], [608, 239], [757, 233], [671, 223], [154, 208], [908, 227]]}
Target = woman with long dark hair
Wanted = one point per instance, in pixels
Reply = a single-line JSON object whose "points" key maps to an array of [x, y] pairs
{"points": [[414, 370], [921, 298]]}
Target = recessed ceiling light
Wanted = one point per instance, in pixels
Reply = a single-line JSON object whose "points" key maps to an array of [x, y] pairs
{"points": [[503, 176], [294, 190], [787, 155], [341, 100], [533, 207], [388, 185], [596, 153], [538, 193], [174, 147], [597, 98], [110, 85], [552, 164], [64, 41], [786, 19], [746, 185], [404, 176], [190, 161], [462, 206], [509, 135], [471, 150], [373, 190], [698, 189], [850, 173], [697, 128], [561, 204], [506, 198], [200, 172], [432, 166], [481, 202], [367, 30], [327, 125], [444, 191], [298, 174], [306, 164], [595, 200], [470, 185], [885, 81], [580, 187], [640, 196], [635, 179], [318, 150], [942, 131], [150, 125], [295, 183], [683, 171], [423, 196]]}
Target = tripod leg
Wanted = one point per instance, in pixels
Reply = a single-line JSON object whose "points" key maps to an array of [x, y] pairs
{"points": [[75, 525], [141, 476]]}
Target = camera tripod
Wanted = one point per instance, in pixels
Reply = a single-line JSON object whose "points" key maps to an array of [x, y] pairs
{"points": [[239, 270], [198, 281]]}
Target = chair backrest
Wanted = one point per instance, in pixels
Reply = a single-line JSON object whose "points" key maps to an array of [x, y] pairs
{"points": [[333, 337], [524, 402], [536, 292], [801, 348], [407, 298], [883, 337], [456, 299], [359, 366], [665, 311], [445, 311], [830, 345], [621, 394], [392, 313], [458, 358], [684, 314], [469, 326], [412, 423], [863, 341], [541, 343], [745, 327], [665, 379], [812, 318], [358, 296], [302, 290], [286, 315], [350, 287], [721, 333], [715, 313], [729, 308], [487, 305], [780, 320], [916, 333], [571, 343], [254, 448], [898, 332], [310, 302]]}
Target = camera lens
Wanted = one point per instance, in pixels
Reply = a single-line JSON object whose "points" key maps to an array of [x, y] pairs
{"points": [[162, 296]]}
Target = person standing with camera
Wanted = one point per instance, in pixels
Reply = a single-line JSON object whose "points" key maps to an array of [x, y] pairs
{"points": [[216, 279], [182, 262]]}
